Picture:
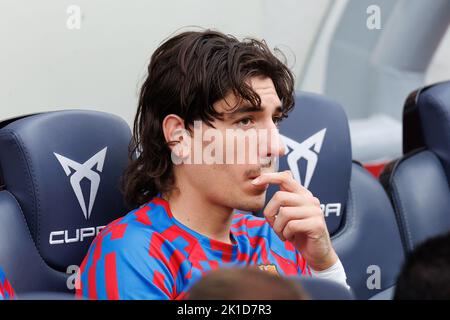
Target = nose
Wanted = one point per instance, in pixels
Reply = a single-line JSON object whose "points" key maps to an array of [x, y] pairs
{"points": [[275, 145]]}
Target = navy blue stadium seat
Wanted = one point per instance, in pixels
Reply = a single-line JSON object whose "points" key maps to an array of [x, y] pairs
{"points": [[322, 289], [60, 177], [47, 296], [358, 212], [418, 183]]}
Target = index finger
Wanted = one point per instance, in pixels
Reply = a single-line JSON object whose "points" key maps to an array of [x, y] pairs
{"points": [[284, 179]]}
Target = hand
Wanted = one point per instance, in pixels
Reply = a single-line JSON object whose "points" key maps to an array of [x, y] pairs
{"points": [[295, 215]]}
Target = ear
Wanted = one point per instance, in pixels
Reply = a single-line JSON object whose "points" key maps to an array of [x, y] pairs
{"points": [[178, 136]]}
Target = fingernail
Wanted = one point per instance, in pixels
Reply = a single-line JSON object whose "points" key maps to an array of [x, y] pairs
{"points": [[256, 180]]}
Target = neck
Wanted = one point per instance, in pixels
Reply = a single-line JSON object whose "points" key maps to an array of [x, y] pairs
{"points": [[196, 212]]}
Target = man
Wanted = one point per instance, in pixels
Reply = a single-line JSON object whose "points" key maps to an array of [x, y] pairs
{"points": [[425, 273], [6, 291], [202, 87]]}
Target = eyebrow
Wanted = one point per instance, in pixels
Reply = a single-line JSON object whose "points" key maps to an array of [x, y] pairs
{"points": [[251, 108]]}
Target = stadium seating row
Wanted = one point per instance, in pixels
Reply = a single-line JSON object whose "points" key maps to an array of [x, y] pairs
{"points": [[60, 184]]}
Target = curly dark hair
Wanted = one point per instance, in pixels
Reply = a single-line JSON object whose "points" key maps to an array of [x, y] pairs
{"points": [[187, 74]]}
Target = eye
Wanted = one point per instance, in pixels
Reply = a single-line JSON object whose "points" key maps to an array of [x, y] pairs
{"points": [[277, 120], [245, 122]]}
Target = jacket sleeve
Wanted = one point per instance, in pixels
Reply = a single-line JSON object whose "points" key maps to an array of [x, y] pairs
{"points": [[6, 290]]}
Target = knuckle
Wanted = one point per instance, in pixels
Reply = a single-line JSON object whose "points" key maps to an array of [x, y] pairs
{"points": [[316, 213], [278, 229], [287, 173], [284, 214], [320, 225], [286, 232], [278, 196], [316, 201], [290, 226], [320, 215]]}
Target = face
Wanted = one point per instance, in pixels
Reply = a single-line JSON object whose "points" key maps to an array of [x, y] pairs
{"points": [[243, 129]]}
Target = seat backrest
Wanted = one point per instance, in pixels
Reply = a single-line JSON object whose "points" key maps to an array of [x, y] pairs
{"points": [[418, 183], [61, 175], [358, 212], [369, 242], [318, 152]]}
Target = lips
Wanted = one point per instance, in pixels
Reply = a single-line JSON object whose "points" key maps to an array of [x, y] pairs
{"points": [[251, 177], [257, 172]]}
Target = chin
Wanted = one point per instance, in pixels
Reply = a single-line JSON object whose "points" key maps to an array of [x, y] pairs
{"points": [[252, 202]]}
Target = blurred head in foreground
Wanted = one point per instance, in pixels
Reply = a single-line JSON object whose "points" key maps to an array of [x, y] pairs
{"points": [[246, 284], [426, 272]]}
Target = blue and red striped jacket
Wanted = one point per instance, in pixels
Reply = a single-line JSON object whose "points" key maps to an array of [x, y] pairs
{"points": [[6, 290], [148, 254]]}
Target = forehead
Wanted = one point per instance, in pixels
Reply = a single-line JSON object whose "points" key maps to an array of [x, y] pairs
{"points": [[263, 86]]}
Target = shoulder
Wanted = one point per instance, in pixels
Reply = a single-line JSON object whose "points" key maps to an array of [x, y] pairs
{"points": [[146, 233], [135, 232]]}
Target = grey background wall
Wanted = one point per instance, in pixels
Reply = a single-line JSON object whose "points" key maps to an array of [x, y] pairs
{"points": [[46, 66]]}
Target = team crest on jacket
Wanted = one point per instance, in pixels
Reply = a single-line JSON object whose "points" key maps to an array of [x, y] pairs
{"points": [[271, 268]]}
